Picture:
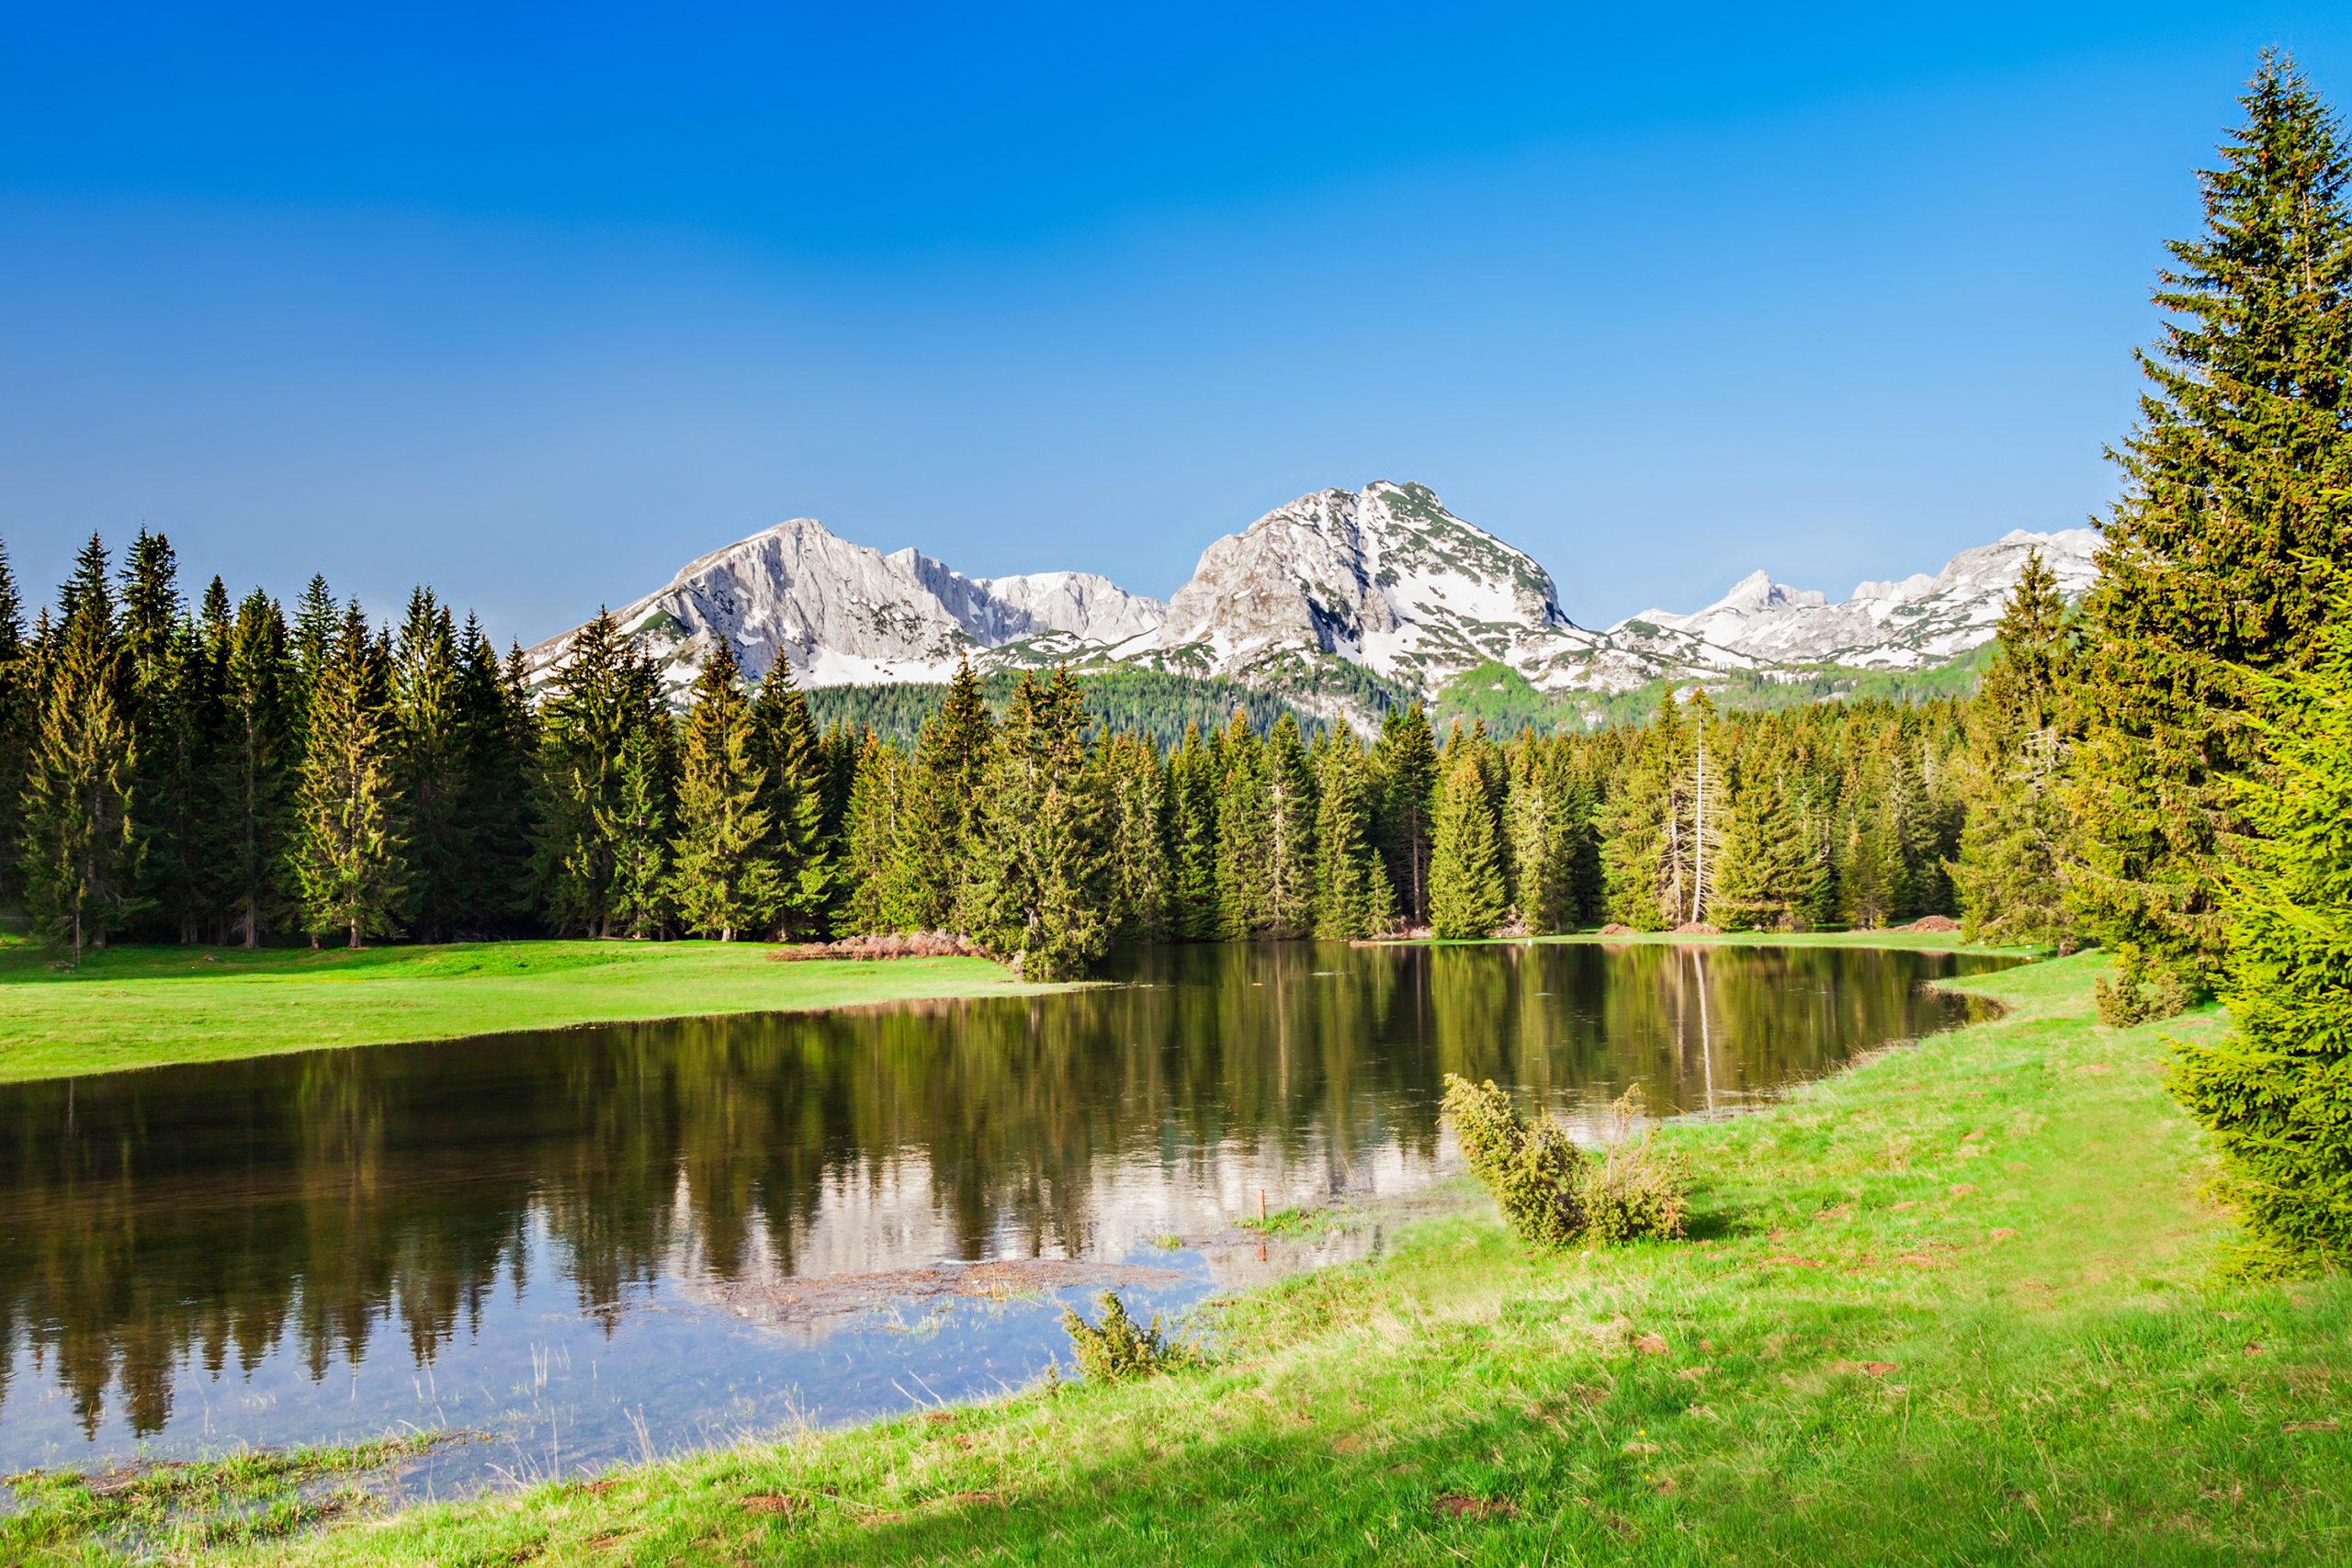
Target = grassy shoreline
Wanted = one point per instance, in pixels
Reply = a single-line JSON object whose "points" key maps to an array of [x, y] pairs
{"points": [[148, 1006], [1961, 1304]]}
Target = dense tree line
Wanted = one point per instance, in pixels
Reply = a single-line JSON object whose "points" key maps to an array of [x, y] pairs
{"points": [[199, 773]]}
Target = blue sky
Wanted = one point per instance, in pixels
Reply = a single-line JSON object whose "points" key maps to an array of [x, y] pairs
{"points": [[538, 305]]}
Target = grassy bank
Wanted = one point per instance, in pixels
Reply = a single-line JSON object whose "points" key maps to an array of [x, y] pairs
{"points": [[144, 1007], [1961, 1304]]}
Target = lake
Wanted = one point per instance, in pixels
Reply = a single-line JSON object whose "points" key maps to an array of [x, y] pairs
{"points": [[592, 1245]]}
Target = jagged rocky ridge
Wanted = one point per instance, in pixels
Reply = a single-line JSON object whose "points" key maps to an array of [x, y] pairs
{"points": [[1383, 579]]}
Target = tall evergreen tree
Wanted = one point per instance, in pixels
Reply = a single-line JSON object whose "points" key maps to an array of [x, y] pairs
{"points": [[1542, 829], [167, 701], [1645, 861], [1034, 891], [2013, 849], [794, 790], [18, 713], [600, 702], [2277, 1092], [1288, 789], [633, 824], [79, 850], [873, 844], [1352, 897], [1134, 796], [493, 751], [1467, 894], [250, 782], [1769, 878], [1194, 913], [347, 860], [428, 761], [1244, 837], [2224, 556], [721, 880], [1404, 766], [944, 791]]}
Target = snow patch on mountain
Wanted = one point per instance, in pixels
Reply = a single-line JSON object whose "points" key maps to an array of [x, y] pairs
{"points": [[1385, 578]]}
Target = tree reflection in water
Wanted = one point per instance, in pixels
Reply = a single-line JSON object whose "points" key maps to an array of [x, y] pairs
{"points": [[299, 1206]]}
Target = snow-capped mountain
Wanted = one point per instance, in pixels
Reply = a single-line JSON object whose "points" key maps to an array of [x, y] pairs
{"points": [[1383, 579], [1919, 621], [843, 614]]}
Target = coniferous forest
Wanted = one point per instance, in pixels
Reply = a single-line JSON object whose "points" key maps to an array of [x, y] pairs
{"points": [[2161, 770]]}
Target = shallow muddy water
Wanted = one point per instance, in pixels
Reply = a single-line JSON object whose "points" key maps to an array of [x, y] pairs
{"points": [[590, 1245]]}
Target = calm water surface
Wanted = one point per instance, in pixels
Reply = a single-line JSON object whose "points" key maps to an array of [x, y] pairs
{"points": [[589, 1245]]}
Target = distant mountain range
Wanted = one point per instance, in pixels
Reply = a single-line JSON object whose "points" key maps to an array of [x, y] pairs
{"points": [[1383, 579]]}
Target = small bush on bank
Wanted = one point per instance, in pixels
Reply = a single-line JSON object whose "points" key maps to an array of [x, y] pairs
{"points": [[1551, 1192], [1531, 1168], [1634, 1191], [1118, 1347], [2131, 998]]}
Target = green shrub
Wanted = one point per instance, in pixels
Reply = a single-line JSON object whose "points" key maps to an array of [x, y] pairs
{"points": [[1634, 1191], [1534, 1171], [1119, 1347], [2134, 996]]}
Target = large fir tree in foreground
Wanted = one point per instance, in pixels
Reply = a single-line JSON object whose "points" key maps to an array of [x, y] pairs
{"points": [[2278, 1092], [2220, 561]]}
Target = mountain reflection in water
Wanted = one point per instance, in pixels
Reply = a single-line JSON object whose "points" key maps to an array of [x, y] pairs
{"points": [[600, 1227]]}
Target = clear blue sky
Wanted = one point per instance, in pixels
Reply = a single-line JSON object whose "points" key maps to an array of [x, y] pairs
{"points": [[536, 306]]}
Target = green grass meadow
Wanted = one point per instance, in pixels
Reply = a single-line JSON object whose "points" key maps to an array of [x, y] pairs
{"points": [[144, 1007]]}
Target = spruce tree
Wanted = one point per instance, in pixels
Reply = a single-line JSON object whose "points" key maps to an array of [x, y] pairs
{"points": [[1541, 830], [1135, 794], [795, 785], [599, 702], [1768, 874], [347, 862], [18, 712], [632, 822], [1290, 808], [873, 843], [80, 850], [428, 761], [249, 784], [1194, 913], [2014, 853], [1644, 864], [1352, 897], [2277, 1092], [493, 752], [167, 704], [1245, 857], [1034, 892], [1467, 894], [951, 756], [721, 880], [1404, 767], [2224, 555]]}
